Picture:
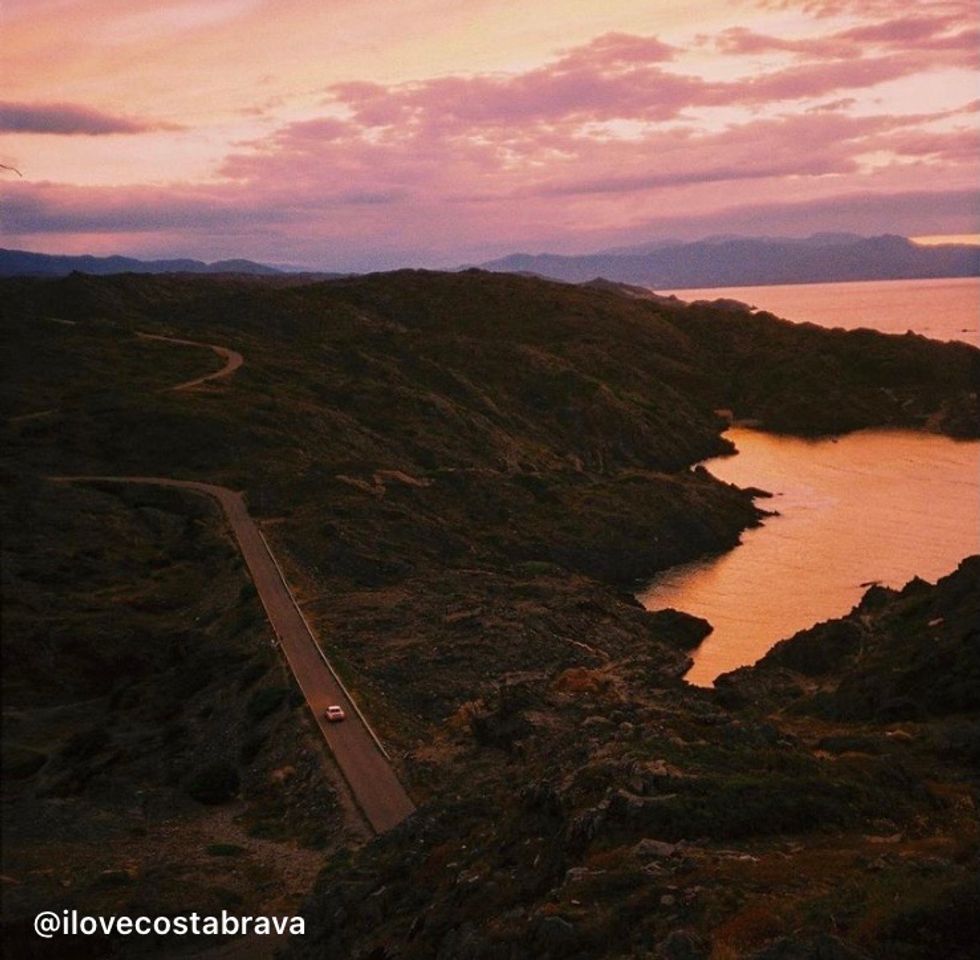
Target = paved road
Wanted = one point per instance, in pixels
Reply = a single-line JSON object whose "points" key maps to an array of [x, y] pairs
{"points": [[371, 778], [233, 359]]}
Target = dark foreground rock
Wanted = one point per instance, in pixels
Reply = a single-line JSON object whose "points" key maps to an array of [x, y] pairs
{"points": [[784, 817]]}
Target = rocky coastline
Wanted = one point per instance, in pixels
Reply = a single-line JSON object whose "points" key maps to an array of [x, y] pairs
{"points": [[465, 475]]}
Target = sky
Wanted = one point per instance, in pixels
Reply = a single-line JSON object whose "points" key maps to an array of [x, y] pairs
{"points": [[368, 134]]}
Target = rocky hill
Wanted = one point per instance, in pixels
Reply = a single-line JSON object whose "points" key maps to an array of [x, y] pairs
{"points": [[806, 810], [464, 474]]}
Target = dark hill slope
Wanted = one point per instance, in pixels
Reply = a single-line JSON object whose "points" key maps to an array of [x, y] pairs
{"points": [[461, 473], [404, 425], [805, 379], [614, 819]]}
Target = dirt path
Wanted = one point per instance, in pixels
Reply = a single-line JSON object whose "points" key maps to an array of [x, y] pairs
{"points": [[233, 359], [359, 753]]}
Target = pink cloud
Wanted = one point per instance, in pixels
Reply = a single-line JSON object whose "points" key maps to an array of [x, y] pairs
{"points": [[955, 147], [909, 212], [621, 78], [819, 79], [617, 49], [325, 169], [69, 119], [809, 145], [868, 9], [611, 77], [902, 31], [61, 208], [910, 34], [601, 140], [742, 40]]}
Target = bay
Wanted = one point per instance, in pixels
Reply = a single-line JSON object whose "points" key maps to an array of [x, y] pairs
{"points": [[876, 506], [943, 309]]}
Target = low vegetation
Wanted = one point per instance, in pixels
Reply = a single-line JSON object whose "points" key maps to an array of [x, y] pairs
{"points": [[464, 476], [126, 715]]}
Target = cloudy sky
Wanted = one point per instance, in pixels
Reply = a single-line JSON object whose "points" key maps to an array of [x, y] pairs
{"points": [[357, 134]]}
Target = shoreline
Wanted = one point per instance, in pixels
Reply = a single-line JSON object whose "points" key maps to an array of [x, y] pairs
{"points": [[817, 513]]}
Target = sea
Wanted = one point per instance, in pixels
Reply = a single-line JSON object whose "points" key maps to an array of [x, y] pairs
{"points": [[945, 309], [876, 506]]}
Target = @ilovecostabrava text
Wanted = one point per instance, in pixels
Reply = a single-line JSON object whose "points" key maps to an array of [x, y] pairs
{"points": [[71, 923]]}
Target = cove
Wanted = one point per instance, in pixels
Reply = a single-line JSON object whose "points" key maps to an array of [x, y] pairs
{"points": [[876, 506]]}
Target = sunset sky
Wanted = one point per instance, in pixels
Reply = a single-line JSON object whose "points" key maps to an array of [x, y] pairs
{"points": [[357, 134]]}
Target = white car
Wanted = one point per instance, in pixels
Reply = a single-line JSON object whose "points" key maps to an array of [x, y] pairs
{"points": [[334, 713]]}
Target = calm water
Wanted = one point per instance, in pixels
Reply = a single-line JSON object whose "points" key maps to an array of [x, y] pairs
{"points": [[941, 309], [874, 506]]}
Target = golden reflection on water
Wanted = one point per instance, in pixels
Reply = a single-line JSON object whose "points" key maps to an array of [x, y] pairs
{"points": [[874, 506], [943, 309]]}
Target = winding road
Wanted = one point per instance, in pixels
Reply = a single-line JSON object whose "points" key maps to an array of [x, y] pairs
{"points": [[233, 359], [357, 749]]}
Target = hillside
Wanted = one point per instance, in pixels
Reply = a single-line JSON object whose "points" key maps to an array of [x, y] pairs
{"points": [[748, 261], [618, 816], [465, 474]]}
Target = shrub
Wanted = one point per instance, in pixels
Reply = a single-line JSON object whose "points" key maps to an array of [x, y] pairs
{"points": [[264, 701], [251, 746], [213, 784], [224, 849], [86, 744], [252, 671], [21, 762]]}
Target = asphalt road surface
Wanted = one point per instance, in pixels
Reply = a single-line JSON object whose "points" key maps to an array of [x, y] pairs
{"points": [[359, 755]]}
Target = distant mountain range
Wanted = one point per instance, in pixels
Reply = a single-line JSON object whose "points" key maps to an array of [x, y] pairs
{"points": [[721, 261], [19, 263], [754, 261]]}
